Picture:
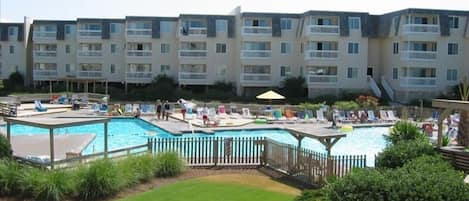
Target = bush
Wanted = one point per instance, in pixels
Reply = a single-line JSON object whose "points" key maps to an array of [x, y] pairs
{"points": [[46, 185], [405, 131], [397, 155], [294, 87], [14, 82], [311, 195], [367, 101], [347, 105], [168, 164], [137, 169], [5, 148], [310, 106], [99, 180], [10, 175]]}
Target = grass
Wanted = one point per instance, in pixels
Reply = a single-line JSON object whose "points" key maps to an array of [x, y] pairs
{"points": [[237, 187]]}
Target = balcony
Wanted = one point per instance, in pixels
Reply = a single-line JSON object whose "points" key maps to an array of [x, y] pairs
{"points": [[89, 33], [139, 33], [322, 79], [192, 53], [44, 74], [252, 54], [421, 28], [139, 53], [90, 74], [193, 78], [193, 31], [256, 78], [44, 53], [90, 53], [257, 31], [418, 55], [138, 77], [417, 81], [323, 29], [321, 54], [51, 35]]}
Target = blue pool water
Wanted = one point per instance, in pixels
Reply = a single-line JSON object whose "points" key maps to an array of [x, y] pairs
{"points": [[130, 132]]}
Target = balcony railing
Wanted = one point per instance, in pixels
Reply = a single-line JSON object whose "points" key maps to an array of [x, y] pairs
{"points": [[417, 81], [89, 33], [324, 29], [90, 53], [139, 32], [421, 28], [192, 53], [139, 53], [45, 35], [256, 77], [140, 77], [193, 31], [44, 74], [90, 74], [193, 78], [418, 55], [43, 53], [322, 79], [321, 54], [256, 30], [256, 53]]}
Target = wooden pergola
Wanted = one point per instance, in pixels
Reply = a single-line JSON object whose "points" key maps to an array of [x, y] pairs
{"points": [[448, 106], [54, 123]]}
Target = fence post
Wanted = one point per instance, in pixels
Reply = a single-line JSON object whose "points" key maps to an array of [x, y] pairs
{"points": [[215, 151], [264, 152], [149, 147]]}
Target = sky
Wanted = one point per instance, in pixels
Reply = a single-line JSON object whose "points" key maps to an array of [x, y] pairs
{"points": [[15, 10]]}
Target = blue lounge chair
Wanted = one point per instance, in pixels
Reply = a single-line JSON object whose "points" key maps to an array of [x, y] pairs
{"points": [[39, 107]]}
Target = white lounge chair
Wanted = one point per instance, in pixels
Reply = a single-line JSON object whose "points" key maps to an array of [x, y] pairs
{"points": [[128, 109], [383, 115], [246, 113], [320, 116], [391, 116], [371, 116]]}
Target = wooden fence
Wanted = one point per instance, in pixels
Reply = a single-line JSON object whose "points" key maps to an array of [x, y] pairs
{"points": [[456, 156]]}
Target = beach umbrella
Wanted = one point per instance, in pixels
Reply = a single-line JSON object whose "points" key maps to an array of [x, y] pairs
{"points": [[270, 95]]}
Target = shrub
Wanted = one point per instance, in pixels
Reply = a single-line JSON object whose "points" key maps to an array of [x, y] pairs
{"points": [[310, 106], [168, 164], [347, 105], [367, 101], [397, 155], [10, 175], [99, 180], [405, 131], [294, 87], [46, 185], [311, 195], [5, 148], [136, 169], [14, 82]]}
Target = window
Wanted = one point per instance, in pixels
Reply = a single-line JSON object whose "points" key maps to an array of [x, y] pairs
{"points": [[285, 48], [164, 48], [67, 49], [67, 68], [354, 22], [395, 48], [12, 49], [68, 29], [221, 25], [164, 69], [113, 48], [221, 48], [114, 27], [353, 48], [395, 73], [165, 26], [11, 31], [452, 74], [452, 48], [352, 73], [112, 69], [285, 71], [453, 22], [285, 24]]}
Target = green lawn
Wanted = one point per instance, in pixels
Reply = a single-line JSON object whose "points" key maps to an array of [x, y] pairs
{"points": [[210, 189]]}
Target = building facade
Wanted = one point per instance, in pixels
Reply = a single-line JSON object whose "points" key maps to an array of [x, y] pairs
{"points": [[407, 54]]}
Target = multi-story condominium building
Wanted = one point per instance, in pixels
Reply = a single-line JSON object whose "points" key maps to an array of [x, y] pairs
{"points": [[407, 54]]}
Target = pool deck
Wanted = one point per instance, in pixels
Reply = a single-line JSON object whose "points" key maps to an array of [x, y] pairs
{"points": [[38, 145]]}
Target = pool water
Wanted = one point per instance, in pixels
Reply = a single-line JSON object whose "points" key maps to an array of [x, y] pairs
{"points": [[125, 132]]}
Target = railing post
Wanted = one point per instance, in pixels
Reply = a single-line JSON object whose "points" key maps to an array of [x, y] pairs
{"points": [[149, 147], [215, 151], [264, 152]]}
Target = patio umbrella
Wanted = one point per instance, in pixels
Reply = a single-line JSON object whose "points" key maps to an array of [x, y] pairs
{"points": [[270, 95]]}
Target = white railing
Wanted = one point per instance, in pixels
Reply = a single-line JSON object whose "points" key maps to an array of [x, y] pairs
{"points": [[90, 53], [322, 79], [418, 55], [421, 28], [43, 53], [387, 88], [256, 77], [89, 33], [90, 74], [417, 81], [193, 31], [323, 29], [374, 87], [139, 32], [192, 78], [44, 74], [139, 53], [193, 53], [256, 30], [321, 54], [45, 34], [140, 77], [256, 53]]}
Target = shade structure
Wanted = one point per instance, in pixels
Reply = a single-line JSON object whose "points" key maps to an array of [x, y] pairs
{"points": [[270, 95]]}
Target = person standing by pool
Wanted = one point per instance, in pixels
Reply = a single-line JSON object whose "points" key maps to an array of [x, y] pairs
{"points": [[183, 109], [167, 107], [205, 114], [137, 113], [158, 109]]}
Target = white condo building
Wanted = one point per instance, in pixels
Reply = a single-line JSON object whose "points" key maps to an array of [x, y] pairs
{"points": [[407, 54]]}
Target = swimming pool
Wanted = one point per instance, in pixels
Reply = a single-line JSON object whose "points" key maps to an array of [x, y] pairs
{"points": [[125, 132]]}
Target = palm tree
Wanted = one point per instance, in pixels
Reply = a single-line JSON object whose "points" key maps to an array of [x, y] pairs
{"points": [[463, 126]]}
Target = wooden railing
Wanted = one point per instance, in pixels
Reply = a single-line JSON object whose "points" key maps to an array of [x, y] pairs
{"points": [[456, 156]]}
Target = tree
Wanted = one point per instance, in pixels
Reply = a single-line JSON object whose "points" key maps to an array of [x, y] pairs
{"points": [[463, 126], [294, 87], [15, 81]]}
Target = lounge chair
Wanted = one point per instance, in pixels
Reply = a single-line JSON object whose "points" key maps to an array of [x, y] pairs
{"points": [[103, 108], [371, 116], [320, 116], [383, 115], [246, 113], [222, 112], [39, 107], [128, 109], [391, 116], [309, 117], [341, 116], [135, 107], [200, 112], [151, 109]]}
